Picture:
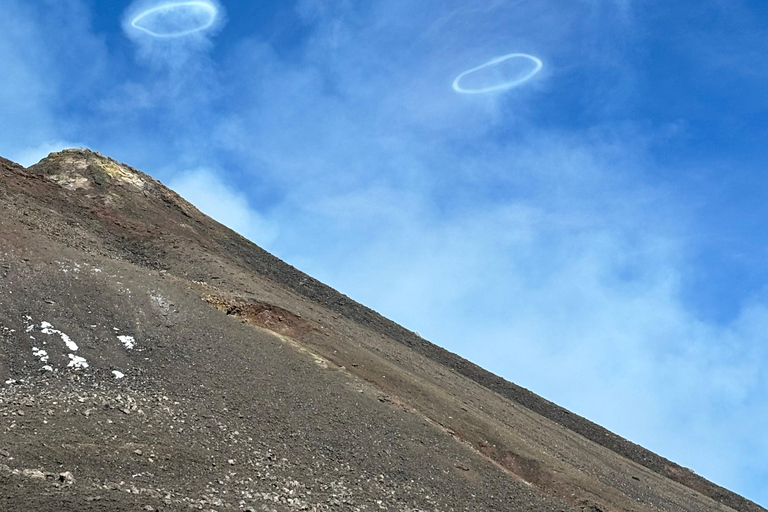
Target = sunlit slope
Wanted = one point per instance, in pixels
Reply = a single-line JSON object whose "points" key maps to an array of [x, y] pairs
{"points": [[219, 376]]}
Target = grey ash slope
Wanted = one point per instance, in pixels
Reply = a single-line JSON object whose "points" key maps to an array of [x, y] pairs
{"points": [[252, 385]]}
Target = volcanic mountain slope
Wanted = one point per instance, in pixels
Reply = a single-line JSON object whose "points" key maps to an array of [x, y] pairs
{"points": [[152, 359]]}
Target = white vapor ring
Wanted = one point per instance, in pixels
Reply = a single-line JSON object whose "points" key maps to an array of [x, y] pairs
{"points": [[505, 85], [170, 6]]}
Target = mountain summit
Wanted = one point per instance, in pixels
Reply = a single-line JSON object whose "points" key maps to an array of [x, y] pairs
{"points": [[153, 359]]}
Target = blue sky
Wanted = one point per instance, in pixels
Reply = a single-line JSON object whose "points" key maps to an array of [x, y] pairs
{"points": [[596, 233]]}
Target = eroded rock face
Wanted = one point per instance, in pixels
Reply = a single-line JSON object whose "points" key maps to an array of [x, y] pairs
{"points": [[112, 183], [267, 316], [76, 169]]}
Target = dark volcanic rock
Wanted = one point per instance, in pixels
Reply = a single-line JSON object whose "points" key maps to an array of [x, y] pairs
{"points": [[152, 359]]}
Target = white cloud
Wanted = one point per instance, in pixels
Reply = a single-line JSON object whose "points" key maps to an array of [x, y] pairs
{"points": [[24, 95], [31, 156], [175, 19], [211, 194], [173, 34], [41, 48], [493, 76]]}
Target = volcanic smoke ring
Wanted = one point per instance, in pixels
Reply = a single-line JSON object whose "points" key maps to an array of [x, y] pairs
{"points": [[210, 8], [505, 85]]}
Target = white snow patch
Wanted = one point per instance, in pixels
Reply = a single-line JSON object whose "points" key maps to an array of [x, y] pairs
{"points": [[117, 374], [47, 328], [48, 368], [30, 328], [77, 362], [128, 341], [40, 354], [71, 345]]}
